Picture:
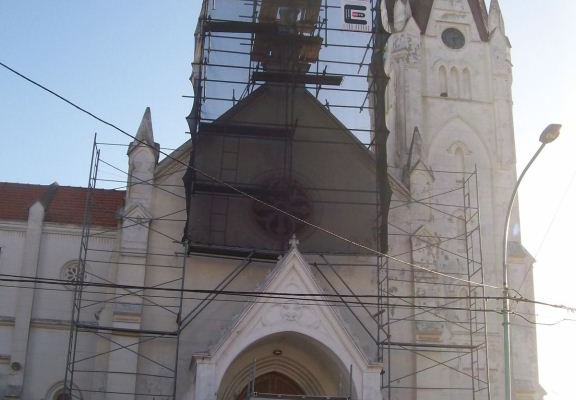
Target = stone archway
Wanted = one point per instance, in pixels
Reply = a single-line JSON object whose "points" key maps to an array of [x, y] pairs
{"points": [[286, 363], [306, 341]]}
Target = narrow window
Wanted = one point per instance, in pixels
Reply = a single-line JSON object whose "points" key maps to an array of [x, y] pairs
{"points": [[454, 89], [466, 84], [443, 81]]}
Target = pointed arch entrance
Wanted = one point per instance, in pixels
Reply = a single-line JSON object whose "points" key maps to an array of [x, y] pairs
{"points": [[306, 341], [286, 363]]}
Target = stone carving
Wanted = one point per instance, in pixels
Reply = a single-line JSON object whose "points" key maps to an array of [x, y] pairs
{"points": [[405, 49], [291, 313]]}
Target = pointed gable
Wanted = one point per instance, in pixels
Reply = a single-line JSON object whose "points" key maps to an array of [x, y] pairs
{"points": [[421, 10], [314, 169], [300, 309]]}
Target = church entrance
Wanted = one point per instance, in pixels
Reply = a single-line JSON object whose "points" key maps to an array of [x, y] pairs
{"points": [[285, 365], [273, 383]]}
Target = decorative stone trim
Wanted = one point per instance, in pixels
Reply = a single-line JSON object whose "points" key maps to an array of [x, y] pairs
{"points": [[70, 273]]}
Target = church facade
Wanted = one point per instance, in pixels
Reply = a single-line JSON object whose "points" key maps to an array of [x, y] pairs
{"points": [[290, 248]]}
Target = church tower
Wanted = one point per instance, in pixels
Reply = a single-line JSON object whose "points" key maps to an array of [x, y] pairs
{"points": [[449, 109]]}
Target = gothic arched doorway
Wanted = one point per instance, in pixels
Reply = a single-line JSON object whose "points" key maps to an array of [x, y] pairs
{"points": [[273, 383], [287, 363]]}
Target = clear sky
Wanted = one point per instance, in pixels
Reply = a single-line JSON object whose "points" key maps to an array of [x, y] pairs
{"points": [[115, 58]]}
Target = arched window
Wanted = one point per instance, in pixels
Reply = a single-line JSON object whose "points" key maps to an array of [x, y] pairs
{"points": [[454, 89], [466, 84], [443, 78], [58, 392]]}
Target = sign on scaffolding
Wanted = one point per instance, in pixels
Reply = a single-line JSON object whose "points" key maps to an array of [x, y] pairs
{"points": [[356, 15]]}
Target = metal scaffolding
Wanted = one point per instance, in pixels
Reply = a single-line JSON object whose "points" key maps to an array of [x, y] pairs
{"points": [[445, 351], [425, 318], [96, 336]]}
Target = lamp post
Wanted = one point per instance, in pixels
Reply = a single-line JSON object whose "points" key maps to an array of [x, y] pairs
{"points": [[548, 135]]}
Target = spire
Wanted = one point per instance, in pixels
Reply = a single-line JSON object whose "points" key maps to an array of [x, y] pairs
{"points": [[145, 133], [495, 20]]}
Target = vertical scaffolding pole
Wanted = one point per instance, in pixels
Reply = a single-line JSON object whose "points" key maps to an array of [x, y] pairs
{"points": [[477, 304], [87, 370], [81, 271], [381, 131], [179, 318], [383, 191]]}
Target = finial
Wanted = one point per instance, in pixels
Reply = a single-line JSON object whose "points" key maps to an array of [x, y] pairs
{"points": [[145, 136], [495, 19], [145, 130], [293, 242]]}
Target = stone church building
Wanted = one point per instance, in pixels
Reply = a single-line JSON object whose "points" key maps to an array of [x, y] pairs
{"points": [[332, 229]]}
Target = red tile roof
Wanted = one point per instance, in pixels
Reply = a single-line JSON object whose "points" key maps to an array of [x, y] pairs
{"points": [[65, 204]]}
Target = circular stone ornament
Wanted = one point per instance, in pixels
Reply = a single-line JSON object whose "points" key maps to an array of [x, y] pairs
{"points": [[453, 38], [288, 196], [70, 274]]}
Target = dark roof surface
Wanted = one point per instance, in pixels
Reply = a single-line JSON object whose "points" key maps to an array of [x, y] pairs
{"points": [[421, 10], [65, 204]]}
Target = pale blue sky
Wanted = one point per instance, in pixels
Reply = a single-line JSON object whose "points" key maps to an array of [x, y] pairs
{"points": [[115, 58]]}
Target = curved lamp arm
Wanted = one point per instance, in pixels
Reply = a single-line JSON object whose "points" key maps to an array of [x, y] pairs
{"points": [[548, 135]]}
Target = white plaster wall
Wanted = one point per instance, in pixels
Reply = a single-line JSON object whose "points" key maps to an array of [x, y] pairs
{"points": [[49, 333], [12, 235], [47, 352]]}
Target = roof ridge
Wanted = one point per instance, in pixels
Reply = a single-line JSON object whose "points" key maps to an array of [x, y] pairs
{"points": [[41, 185]]}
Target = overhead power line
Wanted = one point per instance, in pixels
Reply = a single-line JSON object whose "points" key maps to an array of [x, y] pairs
{"points": [[239, 191], [249, 196], [272, 295]]}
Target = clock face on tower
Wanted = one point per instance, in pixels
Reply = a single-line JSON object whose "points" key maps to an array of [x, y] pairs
{"points": [[453, 38]]}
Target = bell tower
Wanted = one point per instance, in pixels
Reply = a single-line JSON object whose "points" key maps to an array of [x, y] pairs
{"points": [[449, 109]]}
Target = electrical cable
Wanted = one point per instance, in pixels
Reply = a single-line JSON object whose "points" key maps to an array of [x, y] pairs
{"points": [[247, 195], [543, 323], [280, 295], [326, 231], [269, 299], [257, 200]]}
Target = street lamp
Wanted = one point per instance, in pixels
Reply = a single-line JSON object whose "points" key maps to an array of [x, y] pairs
{"points": [[548, 135]]}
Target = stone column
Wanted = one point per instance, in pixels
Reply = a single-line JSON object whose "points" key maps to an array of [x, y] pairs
{"points": [[25, 302]]}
